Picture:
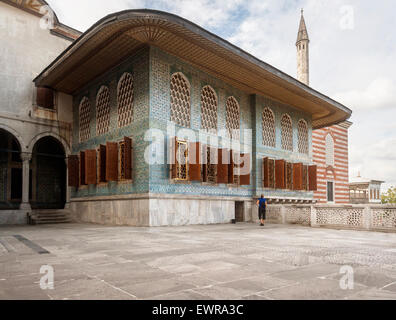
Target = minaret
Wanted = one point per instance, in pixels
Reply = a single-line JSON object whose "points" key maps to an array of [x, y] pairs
{"points": [[302, 45]]}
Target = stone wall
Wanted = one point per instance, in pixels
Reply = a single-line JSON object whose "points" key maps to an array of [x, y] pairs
{"points": [[357, 217]]}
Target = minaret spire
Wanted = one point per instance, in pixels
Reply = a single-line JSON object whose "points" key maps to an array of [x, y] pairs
{"points": [[302, 45]]}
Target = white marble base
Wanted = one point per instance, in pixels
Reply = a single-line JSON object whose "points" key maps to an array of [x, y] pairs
{"points": [[13, 217]]}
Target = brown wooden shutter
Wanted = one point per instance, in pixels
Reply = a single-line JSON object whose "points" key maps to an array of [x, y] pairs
{"points": [[223, 166], [271, 172], [231, 173], [297, 176], [312, 173], [289, 176], [82, 168], [111, 161], [173, 160], [266, 177], [280, 174], [194, 161], [244, 180], [90, 167], [73, 171], [205, 163], [128, 158], [102, 163], [45, 98]]}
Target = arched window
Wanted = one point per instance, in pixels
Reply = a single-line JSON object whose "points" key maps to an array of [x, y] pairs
{"points": [[209, 109], [287, 133], [125, 96], [269, 128], [180, 100], [85, 119], [233, 118], [303, 137], [103, 111], [329, 150]]}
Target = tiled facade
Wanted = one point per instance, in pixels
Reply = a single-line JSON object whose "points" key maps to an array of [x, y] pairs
{"points": [[152, 70]]}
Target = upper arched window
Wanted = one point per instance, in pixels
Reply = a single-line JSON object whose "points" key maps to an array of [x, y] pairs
{"points": [[125, 97], [303, 137], [269, 128], [103, 111], [209, 109], [85, 119], [180, 100], [287, 133], [233, 118], [329, 150]]}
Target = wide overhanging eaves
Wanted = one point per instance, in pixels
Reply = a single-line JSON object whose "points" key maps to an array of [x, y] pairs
{"points": [[119, 35]]}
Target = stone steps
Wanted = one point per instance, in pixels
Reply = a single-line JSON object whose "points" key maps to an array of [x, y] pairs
{"points": [[50, 217]]}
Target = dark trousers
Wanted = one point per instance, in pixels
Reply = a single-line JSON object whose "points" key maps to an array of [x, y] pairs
{"points": [[262, 213]]}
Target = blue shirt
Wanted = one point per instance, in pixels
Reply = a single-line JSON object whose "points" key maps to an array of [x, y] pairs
{"points": [[262, 202]]}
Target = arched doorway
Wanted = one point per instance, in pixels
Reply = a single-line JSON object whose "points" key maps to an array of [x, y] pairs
{"points": [[10, 172], [48, 175]]}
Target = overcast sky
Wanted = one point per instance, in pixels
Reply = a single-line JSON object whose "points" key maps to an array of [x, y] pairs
{"points": [[352, 52]]}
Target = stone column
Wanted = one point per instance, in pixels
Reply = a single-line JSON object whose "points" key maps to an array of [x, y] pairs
{"points": [[67, 205], [25, 205]]}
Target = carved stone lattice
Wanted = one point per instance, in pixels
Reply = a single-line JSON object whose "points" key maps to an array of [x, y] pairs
{"points": [[85, 119], [298, 215], [287, 133], [384, 218], [103, 111], [303, 137], [209, 109], [274, 214], [349, 217], [125, 100], [233, 118], [180, 101], [269, 128]]}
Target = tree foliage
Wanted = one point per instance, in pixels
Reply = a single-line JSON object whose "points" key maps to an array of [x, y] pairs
{"points": [[389, 196]]}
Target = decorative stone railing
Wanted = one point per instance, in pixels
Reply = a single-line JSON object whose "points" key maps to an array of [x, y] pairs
{"points": [[359, 217]]}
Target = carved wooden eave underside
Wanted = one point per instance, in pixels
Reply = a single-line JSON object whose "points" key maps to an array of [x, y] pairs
{"points": [[119, 35]]}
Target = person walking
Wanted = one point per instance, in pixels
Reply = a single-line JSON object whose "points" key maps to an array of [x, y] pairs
{"points": [[262, 204]]}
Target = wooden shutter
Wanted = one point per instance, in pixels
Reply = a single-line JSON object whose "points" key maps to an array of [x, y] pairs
{"points": [[266, 177], [111, 161], [280, 174], [45, 98], [297, 176], [231, 174], [289, 176], [271, 173], [244, 180], [173, 160], [223, 166], [102, 163], [205, 162], [82, 168], [90, 167], [73, 172], [128, 158], [312, 173], [194, 161]]}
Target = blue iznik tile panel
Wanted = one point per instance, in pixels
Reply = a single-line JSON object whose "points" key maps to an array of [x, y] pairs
{"points": [[138, 66], [162, 67]]}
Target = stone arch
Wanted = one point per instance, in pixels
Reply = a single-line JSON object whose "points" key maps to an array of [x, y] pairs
{"points": [[63, 142], [16, 135]]}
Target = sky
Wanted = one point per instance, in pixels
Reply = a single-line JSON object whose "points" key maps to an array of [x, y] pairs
{"points": [[352, 55]]}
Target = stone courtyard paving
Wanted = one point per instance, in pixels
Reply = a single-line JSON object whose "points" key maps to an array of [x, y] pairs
{"points": [[240, 261]]}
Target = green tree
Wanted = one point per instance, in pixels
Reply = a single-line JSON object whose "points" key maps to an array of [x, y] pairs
{"points": [[389, 196]]}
